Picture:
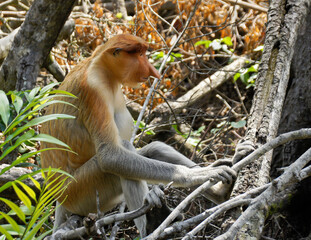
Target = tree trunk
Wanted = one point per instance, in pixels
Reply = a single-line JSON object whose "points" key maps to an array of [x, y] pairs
{"points": [[296, 115], [286, 19], [33, 43]]}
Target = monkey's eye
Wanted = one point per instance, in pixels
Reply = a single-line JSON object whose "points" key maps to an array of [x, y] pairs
{"points": [[117, 51]]}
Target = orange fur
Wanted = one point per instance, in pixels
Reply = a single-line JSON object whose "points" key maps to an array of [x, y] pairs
{"points": [[96, 82]]}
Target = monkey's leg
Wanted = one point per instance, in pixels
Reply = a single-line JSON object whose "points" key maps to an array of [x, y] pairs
{"points": [[165, 153], [134, 192], [162, 152], [61, 215]]}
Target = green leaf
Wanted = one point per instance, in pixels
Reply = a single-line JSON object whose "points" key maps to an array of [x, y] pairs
{"points": [[236, 76], [22, 196], [244, 77], [17, 102], [35, 182], [11, 221], [26, 210], [47, 138], [62, 92], [28, 190], [11, 231], [253, 68], [19, 141], [238, 124], [206, 43], [158, 55], [216, 44], [4, 231], [47, 88], [43, 235], [15, 209], [36, 121], [33, 93], [4, 108], [177, 55], [227, 41], [259, 48], [2, 237]]}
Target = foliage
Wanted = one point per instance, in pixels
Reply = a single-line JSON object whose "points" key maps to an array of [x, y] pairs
{"points": [[192, 137], [19, 113], [217, 44], [247, 75], [142, 126]]}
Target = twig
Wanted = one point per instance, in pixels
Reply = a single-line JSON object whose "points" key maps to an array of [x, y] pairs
{"points": [[268, 197], [248, 5], [181, 226], [78, 232], [6, 3], [115, 228], [282, 139], [218, 212], [155, 82], [156, 233]]}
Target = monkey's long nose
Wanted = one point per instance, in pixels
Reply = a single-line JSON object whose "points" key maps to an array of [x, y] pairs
{"points": [[153, 72]]}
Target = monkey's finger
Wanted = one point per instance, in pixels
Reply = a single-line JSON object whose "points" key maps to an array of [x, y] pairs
{"points": [[242, 150], [154, 197], [228, 173], [220, 162], [227, 178]]}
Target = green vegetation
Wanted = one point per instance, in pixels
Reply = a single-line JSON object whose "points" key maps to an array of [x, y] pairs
{"points": [[20, 114]]}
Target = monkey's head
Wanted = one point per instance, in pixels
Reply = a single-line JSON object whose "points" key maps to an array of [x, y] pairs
{"points": [[124, 60]]}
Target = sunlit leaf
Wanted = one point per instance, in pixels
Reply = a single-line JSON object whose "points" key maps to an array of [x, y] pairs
{"points": [[22, 196], [33, 93], [20, 140], [15, 209], [11, 221], [216, 45], [5, 232], [4, 108], [227, 41], [238, 124], [28, 190], [47, 138], [17, 102]]}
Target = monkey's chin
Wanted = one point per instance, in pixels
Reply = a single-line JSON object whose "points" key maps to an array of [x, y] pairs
{"points": [[134, 85]]}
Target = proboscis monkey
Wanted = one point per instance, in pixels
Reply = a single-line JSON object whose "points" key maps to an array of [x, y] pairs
{"points": [[106, 162]]}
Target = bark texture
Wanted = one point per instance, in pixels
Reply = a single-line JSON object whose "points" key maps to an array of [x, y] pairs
{"points": [[296, 115], [33, 43], [286, 19]]}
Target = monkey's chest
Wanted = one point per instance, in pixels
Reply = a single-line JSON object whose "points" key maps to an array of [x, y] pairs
{"points": [[124, 122]]}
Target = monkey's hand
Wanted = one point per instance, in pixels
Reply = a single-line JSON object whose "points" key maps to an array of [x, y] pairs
{"points": [[196, 176], [222, 162], [154, 197], [242, 150]]}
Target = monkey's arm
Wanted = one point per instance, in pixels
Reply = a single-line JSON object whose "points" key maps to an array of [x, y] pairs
{"points": [[123, 162]]}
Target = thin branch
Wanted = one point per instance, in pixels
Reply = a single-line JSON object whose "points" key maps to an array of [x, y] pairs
{"points": [[290, 177], [194, 221], [248, 5], [155, 82], [282, 139]]}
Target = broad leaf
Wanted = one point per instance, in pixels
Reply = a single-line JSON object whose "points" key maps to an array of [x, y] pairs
{"points": [[4, 108]]}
